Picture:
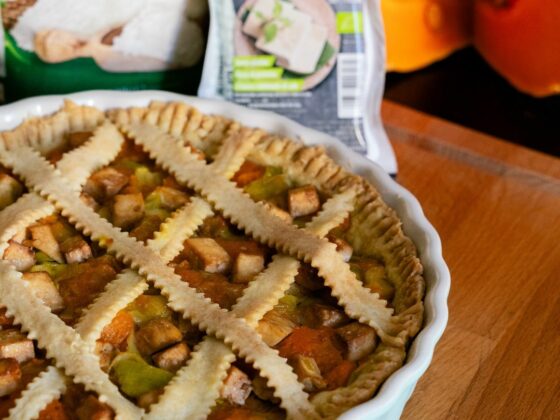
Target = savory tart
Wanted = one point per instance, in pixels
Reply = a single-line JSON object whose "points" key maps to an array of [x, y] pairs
{"points": [[162, 263]]}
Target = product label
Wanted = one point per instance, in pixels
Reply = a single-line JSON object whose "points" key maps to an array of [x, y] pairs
{"points": [[60, 46], [304, 59]]}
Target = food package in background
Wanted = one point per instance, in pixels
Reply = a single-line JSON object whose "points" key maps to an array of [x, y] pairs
{"points": [[319, 62], [61, 46]]}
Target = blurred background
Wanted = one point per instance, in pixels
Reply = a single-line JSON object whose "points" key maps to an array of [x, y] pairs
{"points": [[491, 65]]}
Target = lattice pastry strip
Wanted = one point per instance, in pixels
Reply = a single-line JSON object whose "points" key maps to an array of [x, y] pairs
{"points": [[102, 147], [167, 242], [61, 342], [128, 285], [257, 220], [210, 317], [212, 359], [209, 362]]}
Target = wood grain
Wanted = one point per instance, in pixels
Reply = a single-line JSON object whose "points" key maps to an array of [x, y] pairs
{"points": [[496, 207]]}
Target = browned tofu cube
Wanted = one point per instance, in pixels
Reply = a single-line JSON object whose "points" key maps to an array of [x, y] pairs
{"points": [[44, 288], [76, 250], [308, 372], [275, 326], [278, 212], [173, 357], [237, 386], [360, 340], [317, 315], [10, 190], [156, 335], [246, 267], [342, 247], [22, 257], [53, 411], [105, 183], [89, 201], [303, 201], [212, 257], [44, 240], [16, 345], [10, 375], [128, 209], [93, 409]]}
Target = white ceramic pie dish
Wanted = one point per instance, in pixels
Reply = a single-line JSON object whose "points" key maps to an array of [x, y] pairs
{"points": [[395, 392]]}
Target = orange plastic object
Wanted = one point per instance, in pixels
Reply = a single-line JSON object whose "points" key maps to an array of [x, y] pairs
{"points": [[419, 32], [521, 40]]}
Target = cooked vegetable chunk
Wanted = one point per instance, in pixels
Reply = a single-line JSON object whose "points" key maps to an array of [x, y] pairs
{"points": [[272, 184], [22, 257], [136, 377], [236, 387], [148, 307], [53, 411], [214, 286], [144, 180], [247, 173], [93, 409], [44, 288], [320, 344], [211, 256], [167, 198], [156, 335], [118, 330], [308, 373], [246, 267], [128, 209], [10, 190], [275, 326], [339, 375], [79, 285], [317, 315], [10, 375], [303, 201], [44, 240], [15, 345], [173, 357], [105, 183], [360, 340], [76, 250]]}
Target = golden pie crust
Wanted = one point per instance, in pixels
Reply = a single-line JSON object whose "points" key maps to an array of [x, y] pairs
{"points": [[168, 132]]}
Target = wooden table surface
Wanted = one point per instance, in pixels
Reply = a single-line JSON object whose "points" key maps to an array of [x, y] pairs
{"points": [[496, 207]]}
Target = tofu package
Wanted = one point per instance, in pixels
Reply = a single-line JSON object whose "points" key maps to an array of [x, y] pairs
{"points": [[61, 46], [318, 62]]}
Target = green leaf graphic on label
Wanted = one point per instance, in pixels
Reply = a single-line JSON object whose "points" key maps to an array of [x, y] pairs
{"points": [[349, 22], [277, 9], [270, 31]]}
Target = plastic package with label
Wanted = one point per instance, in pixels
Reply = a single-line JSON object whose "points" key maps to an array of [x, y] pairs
{"points": [[318, 62], [62, 46]]}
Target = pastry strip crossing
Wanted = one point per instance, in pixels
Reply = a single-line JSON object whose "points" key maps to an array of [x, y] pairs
{"points": [[256, 220], [212, 359], [39, 175]]}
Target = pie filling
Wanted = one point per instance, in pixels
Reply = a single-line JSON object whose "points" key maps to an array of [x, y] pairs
{"points": [[147, 343]]}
